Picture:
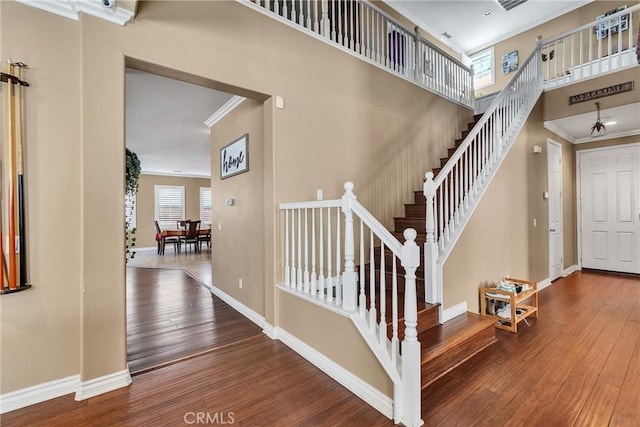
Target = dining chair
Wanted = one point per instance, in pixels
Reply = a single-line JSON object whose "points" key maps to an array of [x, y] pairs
{"points": [[192, 230], [205, 238], [163, 241]]}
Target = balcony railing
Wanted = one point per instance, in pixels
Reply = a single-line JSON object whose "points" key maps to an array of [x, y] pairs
{"points": [[365, 31]]}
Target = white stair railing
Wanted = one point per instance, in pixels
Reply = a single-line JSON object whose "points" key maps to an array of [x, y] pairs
{"points": [[602, 46], [336, 267], [455, 192], [364, 30]]}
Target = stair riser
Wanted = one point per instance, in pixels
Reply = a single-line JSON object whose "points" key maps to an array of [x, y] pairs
{"points": [[388, 278], [426, 320], [418, 197], [454, 357], [418, 224], [417, 210]]}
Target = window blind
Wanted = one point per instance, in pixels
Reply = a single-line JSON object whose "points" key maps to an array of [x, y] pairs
{"points": [[169, 205], [205, 205]]}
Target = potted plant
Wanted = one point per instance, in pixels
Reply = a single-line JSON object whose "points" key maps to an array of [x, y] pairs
{"points": [[132, 174]]}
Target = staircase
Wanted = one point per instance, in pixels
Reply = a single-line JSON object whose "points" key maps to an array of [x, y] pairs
{"points": [[444, 346]]}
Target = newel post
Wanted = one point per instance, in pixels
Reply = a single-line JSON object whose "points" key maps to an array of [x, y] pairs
{"points": [[416, 57], [349, 276], [430, 245], [411, 388]]}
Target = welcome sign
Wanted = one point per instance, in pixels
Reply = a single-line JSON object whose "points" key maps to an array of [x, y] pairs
{"points": [[599, 93], [234, 158]]}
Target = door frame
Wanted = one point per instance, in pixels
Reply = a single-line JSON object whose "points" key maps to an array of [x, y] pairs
{"points": [[579, 190], [561, 232]]}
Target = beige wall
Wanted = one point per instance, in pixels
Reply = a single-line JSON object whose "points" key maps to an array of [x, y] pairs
{"points": [[40, 328], [556, 104], [239, 229], [343, 120], [500, 238], [145, 203], [525, 42]]}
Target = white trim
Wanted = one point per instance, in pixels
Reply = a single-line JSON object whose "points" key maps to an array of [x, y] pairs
{"points": [[38, 393], [331, 306], [587, 139], [269, 330], [181, 175], [561, 232], [570, 270], [453, 311], [351, 382], [544, 283], [238, 306], [224, 110], [550, 125], [96, 386], [117, 15], [71, 9]]}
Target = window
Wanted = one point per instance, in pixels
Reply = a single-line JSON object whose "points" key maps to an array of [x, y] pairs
{"points": [[483, 72], [169, 205], [130, 210], [205, 205]]}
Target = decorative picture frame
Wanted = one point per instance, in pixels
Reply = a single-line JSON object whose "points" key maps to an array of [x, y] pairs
{"points": [[609, 27], [509, 62], [234, 157]]}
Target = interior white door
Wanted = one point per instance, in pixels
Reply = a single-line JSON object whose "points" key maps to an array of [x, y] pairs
{"points": [[556, 249], [610, 209]]}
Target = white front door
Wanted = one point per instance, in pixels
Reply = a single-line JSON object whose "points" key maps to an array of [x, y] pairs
{"points": [[610, 209], [556, 250]]}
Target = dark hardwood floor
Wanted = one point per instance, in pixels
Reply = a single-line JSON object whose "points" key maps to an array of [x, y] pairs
{"points": [[171, 315], [577, 365]]}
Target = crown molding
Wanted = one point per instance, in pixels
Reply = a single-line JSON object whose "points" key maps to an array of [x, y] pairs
{"points": [[71, 9], [224, 110], [175, 174], [548, 124]]}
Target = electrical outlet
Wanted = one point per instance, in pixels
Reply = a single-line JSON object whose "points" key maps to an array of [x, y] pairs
{"points": [[240, 283]]}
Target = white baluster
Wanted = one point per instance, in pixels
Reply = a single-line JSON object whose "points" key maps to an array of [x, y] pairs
{"points": [[334, 16], [382, 333], [363, 298], [321, 288], [299, 272], [306, 252], [351, 27], [358, 18], [324, 22], [309, 24], [314, 275], [293, 250], [394, 312], [372, 286], [430, 246], [329, 255], [349, 277], [287, 273], [336, 279], [411, 387]]}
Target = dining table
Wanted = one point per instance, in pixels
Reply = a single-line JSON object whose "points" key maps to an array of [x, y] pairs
{"points": [[181, 232]]}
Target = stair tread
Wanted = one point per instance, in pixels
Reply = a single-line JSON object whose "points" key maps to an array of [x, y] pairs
{"points": [[436, 341]]}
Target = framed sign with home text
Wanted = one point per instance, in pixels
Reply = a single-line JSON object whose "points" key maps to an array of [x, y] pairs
{"points": [[234, 158]]}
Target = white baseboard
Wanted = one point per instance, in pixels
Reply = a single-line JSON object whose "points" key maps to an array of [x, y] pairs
{"points": [[238, 306], [96, 386], [451, 312], [570, 270], [544, 283], [269, 331], [38, 393], [354, 384]]}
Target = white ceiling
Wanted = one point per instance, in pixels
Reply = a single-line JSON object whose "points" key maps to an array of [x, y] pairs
{"points": [[619, 121], [165, 124], [470, 28]]}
